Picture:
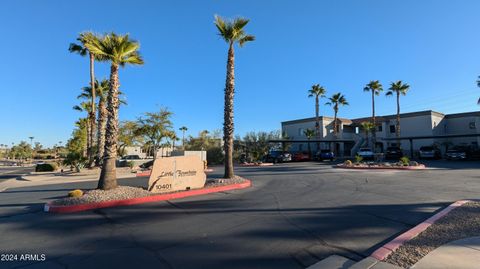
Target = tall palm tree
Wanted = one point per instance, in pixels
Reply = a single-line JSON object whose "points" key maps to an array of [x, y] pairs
{"points": [[398, 88], [478, 85], [318, 92], [232, 32], [336, 100], [367, 126], [81, 48], [309, 133], [119, 50], [375, 87], [183, 129]]}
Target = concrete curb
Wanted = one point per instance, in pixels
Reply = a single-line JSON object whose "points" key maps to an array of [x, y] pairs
{"points": [[419, 167], [48, 207], [387, 249]]}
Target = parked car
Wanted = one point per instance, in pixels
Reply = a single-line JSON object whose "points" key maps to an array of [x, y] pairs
{"points": [[366, 153], [456, 154], [277, 156], [324, 154], [300, 156], [131, 157], [393, 153], [429, 152]]}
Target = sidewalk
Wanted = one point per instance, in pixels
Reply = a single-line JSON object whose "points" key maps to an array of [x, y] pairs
{"points": [[460, 254], [48, 178]]}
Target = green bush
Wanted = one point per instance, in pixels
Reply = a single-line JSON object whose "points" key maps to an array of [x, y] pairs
{"points": [[215, 155], [358, 159], [404, 161], [46, 167]]}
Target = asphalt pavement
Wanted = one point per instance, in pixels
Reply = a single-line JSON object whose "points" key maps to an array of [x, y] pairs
{"points": [[294, 215]]}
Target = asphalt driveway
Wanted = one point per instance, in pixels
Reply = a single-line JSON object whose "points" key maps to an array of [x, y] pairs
{"points": [[294, 215]]}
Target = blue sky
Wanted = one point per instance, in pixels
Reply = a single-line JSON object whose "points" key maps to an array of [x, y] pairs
{"points": [[432, 45]]}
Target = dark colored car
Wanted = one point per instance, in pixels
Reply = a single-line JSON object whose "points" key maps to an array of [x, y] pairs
{"points": [[393, 153], [277, 157], [429, 153], [456, 154], [300, 157], [462, 153], [324, 154]]}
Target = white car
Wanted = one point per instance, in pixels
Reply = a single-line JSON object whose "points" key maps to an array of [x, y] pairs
{"points": [[366, 153]]}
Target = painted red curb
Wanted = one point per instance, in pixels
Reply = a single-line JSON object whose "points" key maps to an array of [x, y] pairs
{"points": [[148, 199], [147, 173], [419, 167], [388, 248]]}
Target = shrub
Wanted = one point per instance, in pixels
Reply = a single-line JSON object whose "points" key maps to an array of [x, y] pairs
{"points": [[358, 159], [215, 155], [131, 164], [75, 193], [348, 162], [75, 160], [404, 161], [46, 167]]}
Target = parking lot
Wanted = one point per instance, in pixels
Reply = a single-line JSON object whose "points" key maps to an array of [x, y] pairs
{"points": [[294, 215]]}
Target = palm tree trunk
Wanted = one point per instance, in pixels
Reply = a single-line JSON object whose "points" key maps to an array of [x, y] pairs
{"points": [[102, 116], [183, 140], [108, 176], [335, 132], [398, 118], [228, 126], [89, 141], [374, 131], [317, 121], [91, 153]]}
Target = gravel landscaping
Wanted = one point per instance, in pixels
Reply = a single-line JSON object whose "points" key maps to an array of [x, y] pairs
{"points": [[460, 223], [127, 192]]}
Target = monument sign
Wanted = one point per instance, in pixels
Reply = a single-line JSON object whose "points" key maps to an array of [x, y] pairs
{"points": [[177, 174]]}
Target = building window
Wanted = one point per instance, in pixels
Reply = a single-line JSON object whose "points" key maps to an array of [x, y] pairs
{"points": [[379, 128], [301, 131], [392, 129], [357, 130], [472, 125]]}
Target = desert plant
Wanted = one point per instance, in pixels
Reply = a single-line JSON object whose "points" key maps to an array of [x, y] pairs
{"points": [[404, 161], [347, 163], [358, 159], [75, 160], [75, 193], [46, 167]]}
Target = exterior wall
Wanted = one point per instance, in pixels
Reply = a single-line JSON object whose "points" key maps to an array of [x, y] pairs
{"points": [[424, 123]]}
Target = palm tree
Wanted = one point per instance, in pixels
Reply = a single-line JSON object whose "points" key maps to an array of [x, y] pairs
{"points": [[81, 48], [318, 92], [102, 89], [183, 129], [398, 88], [478, 85], [309, 133], [336, 100], [375, 87], [120, 50], [367, 126], [232, 32]]}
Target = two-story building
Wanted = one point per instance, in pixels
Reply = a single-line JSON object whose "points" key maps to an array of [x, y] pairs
{"points": [[423, 128]]}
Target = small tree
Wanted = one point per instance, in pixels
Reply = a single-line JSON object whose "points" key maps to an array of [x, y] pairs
{"points": [[309, 133], [367, 127], [155, 127]]}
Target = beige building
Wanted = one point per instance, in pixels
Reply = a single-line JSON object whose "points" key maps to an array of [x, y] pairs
{"points": [[424, 128]]}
